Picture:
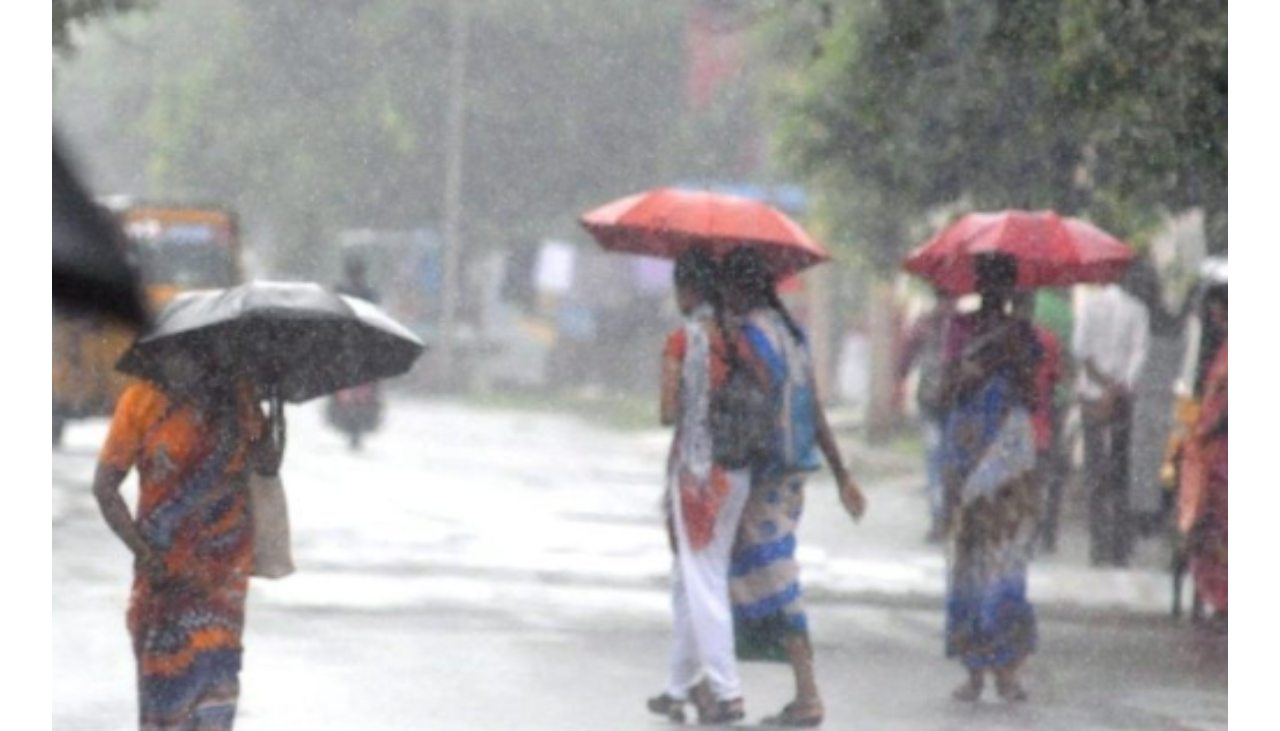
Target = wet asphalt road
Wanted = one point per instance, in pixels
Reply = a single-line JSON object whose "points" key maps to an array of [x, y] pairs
{"points": [[485, 652]]}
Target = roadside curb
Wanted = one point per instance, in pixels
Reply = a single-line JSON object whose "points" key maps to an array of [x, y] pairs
{"points": [[815, 593]]}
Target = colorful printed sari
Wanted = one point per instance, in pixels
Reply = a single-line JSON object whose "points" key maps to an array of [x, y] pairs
{"points": [[1203, 490], [764, 576], [193, 509], [988, 457]]}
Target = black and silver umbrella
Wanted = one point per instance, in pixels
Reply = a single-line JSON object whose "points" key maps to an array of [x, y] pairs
{"points": [[296, 339]]}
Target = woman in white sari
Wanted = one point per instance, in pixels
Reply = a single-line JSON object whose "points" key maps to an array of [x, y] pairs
{"points": [[704, 503]]}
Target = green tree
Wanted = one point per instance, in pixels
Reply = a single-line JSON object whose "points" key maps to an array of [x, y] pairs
{"points": [[1114, 110], [67, 14], [917, 104], [1150, 78]]}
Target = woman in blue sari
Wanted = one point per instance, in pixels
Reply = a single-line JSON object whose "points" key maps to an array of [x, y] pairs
{"points": [[992, 500], [770, 622]]}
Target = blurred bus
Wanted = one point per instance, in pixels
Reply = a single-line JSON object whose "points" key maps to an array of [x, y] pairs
{"points": [[173, 248]]}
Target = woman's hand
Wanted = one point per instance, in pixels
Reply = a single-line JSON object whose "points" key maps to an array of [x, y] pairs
{"points": [[270, 447], [852, 498], [151, 563]]}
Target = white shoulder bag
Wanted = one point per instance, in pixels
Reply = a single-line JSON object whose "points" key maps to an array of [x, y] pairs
{"points": [[272, 550]]}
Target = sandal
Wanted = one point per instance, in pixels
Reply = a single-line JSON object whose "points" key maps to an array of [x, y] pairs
{"points": [[703, 700], [791, 719], [665, 705], [722, 712]]}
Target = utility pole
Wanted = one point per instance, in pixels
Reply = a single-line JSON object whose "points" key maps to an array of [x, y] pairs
{"points": [[455, 127]]}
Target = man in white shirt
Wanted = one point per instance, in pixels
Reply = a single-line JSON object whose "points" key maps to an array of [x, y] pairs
{"points": [[1110, 342]]}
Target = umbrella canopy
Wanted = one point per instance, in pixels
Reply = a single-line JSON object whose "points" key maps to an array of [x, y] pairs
{"points": [[89, 268], [666, 222], [297, 338], [1051, 250]]}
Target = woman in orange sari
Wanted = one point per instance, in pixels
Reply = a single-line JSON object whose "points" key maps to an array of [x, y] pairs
{"points": [[1202, 509], [191, 536]]}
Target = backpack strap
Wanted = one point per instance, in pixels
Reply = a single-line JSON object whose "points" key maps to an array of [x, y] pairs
{"points": [[761, 345]]}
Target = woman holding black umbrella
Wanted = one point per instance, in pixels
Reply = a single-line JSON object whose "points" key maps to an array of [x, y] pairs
{"points": [[193, 428], [193, 441]]}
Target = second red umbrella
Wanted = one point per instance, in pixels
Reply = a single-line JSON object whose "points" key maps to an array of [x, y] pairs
{"points": [[666, 222], [1051, 250]]}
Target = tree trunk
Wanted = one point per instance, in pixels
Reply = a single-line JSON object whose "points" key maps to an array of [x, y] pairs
{"points": [[820, 336], [881, 419]]}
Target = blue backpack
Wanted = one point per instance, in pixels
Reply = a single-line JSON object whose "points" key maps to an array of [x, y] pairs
{"points": [[793, 446]]}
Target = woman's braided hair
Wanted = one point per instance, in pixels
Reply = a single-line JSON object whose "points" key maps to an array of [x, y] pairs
{"points": [[746, 270]]}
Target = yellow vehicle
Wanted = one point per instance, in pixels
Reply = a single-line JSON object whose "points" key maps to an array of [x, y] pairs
{"points": [[173, 249]]}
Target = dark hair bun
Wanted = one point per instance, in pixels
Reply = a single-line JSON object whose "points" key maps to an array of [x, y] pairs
{"points": [[995, 270], [748, 269], [696, 270]]}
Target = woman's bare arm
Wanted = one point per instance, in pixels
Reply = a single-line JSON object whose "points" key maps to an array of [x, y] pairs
{"points": [[669, 408], [106, 489], [850, 495]]}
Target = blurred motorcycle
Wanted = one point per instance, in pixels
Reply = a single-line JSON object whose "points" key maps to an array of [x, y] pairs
{"points": [[355, 412]]}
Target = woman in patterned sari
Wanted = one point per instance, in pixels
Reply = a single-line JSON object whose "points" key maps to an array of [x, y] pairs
{"points": [[992, 502], [1202, 494], [764, 581], [193, 444]]}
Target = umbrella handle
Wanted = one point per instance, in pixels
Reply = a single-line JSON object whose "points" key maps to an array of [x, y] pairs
{"points": [[276, 420]]}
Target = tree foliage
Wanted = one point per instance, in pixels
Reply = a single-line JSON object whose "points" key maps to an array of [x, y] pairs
{"points": [[1095, 107], [67, 14], [310, 117], [1150, 81]]}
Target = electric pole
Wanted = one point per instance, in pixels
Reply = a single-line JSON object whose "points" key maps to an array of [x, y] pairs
{"points": [[459, 31]]}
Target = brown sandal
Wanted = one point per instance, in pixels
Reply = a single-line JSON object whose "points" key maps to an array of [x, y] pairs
{"points": [[722, 712], [791, 719], [665, 705]]}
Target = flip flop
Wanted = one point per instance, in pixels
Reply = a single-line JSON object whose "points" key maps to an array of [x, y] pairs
{"points": [[722, 712], [788, 718]]}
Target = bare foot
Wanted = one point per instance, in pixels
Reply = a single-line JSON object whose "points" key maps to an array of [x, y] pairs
{"points": [[1009, 689]]}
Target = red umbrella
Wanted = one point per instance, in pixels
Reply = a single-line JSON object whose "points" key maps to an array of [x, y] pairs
{"points": [[1051, 250], [666, 222]]}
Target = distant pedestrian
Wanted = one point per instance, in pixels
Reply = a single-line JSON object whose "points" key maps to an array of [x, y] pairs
{"points": [[1053, 312], [768, 608], [992, 501], [1110, 344], [1203, 488], [355, 280], [1049, 372], [356, 410], [922, 349], [704, 502]]}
